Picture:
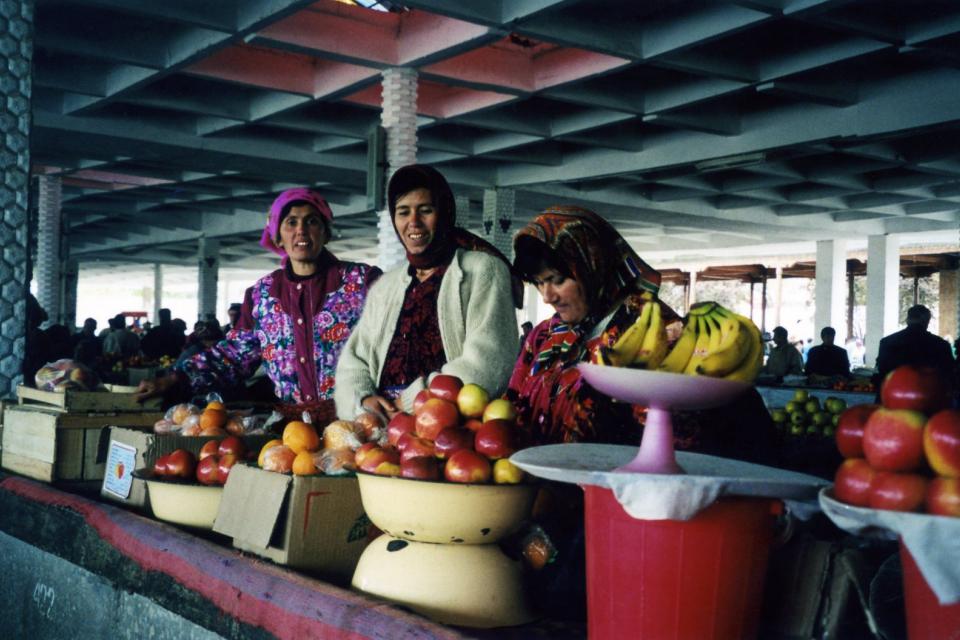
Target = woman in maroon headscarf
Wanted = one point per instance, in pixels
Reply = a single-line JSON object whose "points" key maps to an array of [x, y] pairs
{"points": [[294, 321], [449, 309]]}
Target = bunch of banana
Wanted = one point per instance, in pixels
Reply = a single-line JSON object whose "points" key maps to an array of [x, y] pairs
{"points": [[642, 345], [716, 342]]}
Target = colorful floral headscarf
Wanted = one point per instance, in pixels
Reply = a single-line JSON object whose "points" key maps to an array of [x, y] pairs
{"points": [[280, 207]]}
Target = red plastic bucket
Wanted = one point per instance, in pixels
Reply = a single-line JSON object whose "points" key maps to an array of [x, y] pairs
{"points": [[670, 579], [927, 619]]}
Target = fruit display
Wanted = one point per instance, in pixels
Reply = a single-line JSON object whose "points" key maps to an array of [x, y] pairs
{"points": [[804, 415], [714, 342], [210, 467], [66, 374], [214, 419], [903, 455]]}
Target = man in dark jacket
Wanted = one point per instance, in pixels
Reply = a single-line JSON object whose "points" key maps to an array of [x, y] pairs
{"points": [[828, 359], [915, 345]]}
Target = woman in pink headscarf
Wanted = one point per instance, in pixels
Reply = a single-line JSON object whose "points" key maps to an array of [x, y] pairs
{"points": [[294, 320]]}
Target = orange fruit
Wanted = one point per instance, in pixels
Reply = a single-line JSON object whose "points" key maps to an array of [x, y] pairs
{"points": [[272, 443], [213, 418], [301, 436], [303, 464], [215, 405], [279, 459]]}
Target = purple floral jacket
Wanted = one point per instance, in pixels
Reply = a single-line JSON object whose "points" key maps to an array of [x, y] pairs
{"points": [[295, 328]]}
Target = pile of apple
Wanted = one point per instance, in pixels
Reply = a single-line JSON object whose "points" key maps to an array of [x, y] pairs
{"points": [[455, 433], [804, 416], [216, 458], [905, 454]]}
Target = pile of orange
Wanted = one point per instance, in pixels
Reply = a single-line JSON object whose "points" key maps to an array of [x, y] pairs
{"points": [[295, 452]]}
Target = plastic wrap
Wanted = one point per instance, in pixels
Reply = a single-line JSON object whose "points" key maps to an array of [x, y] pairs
{"points": [[66, 374]]}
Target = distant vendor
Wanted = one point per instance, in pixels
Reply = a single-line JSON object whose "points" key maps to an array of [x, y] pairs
{"points": [[828, 359], [784, 359]]}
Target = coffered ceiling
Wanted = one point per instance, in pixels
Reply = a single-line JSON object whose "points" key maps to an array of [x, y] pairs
{"points": [[689, 125]]}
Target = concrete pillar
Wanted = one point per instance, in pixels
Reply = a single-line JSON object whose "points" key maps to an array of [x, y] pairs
{"points": [[949, 285], [157, 291], [208, 267], [883, 291], [16, 54], [71, 274], [399, 118], [499, 207], [48, 247], [463, 211], [778, 309], [831, 289], [691, 289]]}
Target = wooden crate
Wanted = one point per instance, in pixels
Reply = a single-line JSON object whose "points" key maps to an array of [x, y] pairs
{"points": [[49, 444], [84, 401]]}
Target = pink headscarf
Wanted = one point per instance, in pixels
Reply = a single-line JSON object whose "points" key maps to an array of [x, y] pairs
{"points": [[280, 207]]}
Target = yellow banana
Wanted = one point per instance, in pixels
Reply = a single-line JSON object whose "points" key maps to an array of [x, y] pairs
{"points": [[676, 361], [700, 309], [625, 349], [654, 347], [733, 346], [701, 348], [750, 366]]}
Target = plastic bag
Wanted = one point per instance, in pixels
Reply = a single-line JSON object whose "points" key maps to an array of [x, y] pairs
{"points": [[335, 462], [179, 413], [166, 426], [342, 434], [66, 374], [278, 459]]}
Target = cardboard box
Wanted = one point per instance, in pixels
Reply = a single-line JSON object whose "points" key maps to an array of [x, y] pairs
{"points": [[130, 449], [48, 444], [85, 401], [313, 523]]}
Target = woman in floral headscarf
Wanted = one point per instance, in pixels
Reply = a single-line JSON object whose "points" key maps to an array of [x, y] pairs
{"points": [[295, 321], [597, 285]]}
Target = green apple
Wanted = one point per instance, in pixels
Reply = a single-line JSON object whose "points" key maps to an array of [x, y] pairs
{"points": [[829, 431], [835, 420], [821, 418], [835, 405], [812, 405], [779, 415], [801, 395], [793, 407], [798, 418], [796, 429], [813, 430]]}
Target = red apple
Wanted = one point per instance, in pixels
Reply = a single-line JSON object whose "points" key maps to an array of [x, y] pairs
{"points": [[400, 424], [362, 452], [850, 427], [414, 447], [434, 416], [898, 491], [943, 497], [378, 456], [473, 424], [916, 388], [499, 409], [852, 482], [941, 442], [472, 400], [388, 468], [496, 439], [420, 467], [232, 445], [420, 398], [208, 469], [181, 464], [226, 464], [451, 440], [467, 466], [893, 439], [209, 448], [160, 466], [445, 387]]}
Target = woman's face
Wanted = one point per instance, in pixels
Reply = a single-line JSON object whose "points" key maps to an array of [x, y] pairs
{"points": [[303, 233], [564, 294], [416, 219]]}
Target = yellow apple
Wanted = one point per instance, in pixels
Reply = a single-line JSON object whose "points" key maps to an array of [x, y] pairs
{"points": [[472, 400], [505, 472], [499, 409]]}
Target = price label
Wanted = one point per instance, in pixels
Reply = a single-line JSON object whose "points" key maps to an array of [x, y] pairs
{"points": [[118, 474]]}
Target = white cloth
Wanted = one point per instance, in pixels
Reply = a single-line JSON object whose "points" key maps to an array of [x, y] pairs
{"points": [[933, 541], [649, 496]]}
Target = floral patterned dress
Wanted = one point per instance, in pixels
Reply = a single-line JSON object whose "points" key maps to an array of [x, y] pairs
{"points": [[295, 327]]}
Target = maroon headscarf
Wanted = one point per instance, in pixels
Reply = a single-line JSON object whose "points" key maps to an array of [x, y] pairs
{"points": [[281, 206], [448, 237]]}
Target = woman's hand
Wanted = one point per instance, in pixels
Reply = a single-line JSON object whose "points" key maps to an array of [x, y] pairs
{"points": [[379, 406], [156, 387]]}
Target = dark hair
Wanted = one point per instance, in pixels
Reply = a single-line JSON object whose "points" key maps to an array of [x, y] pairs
{"points": [[533, 256], [828, 331], [918, 314], [421, 176], [300, 203], [780, 330]]}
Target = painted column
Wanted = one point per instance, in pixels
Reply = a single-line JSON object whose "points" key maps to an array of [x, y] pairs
{"points": [[208, 267], [399, 119], [157, 291], [71, 274], [499, 207], [48, 265], [830, 292], [949, 285], [691, 289], [462, 204], [777, 311], [883, 292], [16, 54]]}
